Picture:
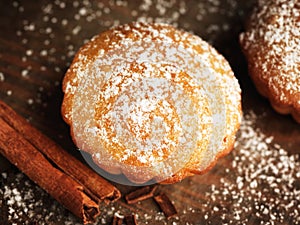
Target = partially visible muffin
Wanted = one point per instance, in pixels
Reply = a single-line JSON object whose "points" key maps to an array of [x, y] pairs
{"points": [[271, 43]]}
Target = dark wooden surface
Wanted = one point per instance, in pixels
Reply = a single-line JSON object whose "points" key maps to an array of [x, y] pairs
{"points": [[37, 42]]}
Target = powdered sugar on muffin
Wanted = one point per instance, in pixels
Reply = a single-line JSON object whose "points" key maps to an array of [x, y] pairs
{"points": [[271, 44]]}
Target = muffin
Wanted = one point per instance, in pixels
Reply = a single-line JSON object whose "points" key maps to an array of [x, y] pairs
{"points": [[151, 102], [271, 44]]}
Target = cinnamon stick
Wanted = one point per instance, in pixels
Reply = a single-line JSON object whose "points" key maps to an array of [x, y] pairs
{"points": [[140, 194], [165, 205], [70, 182]]}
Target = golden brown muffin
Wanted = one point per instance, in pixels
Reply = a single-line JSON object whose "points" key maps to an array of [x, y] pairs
{"points": [[151, 102], [271, 44]]}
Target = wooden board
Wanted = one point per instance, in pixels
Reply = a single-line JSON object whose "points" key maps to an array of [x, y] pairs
{"points": [[258, 183]]}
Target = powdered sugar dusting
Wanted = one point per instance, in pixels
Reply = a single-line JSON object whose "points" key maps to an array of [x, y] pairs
{"points": [[146, 115], [25, 203], [266, 186]]}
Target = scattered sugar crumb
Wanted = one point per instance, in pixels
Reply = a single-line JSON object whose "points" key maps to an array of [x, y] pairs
{"points": [[2, 77], [30, 101], [29, 52]]}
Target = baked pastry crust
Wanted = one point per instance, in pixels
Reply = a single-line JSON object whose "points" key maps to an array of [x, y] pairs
{"points": [[271, 43], [151, 102]]}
